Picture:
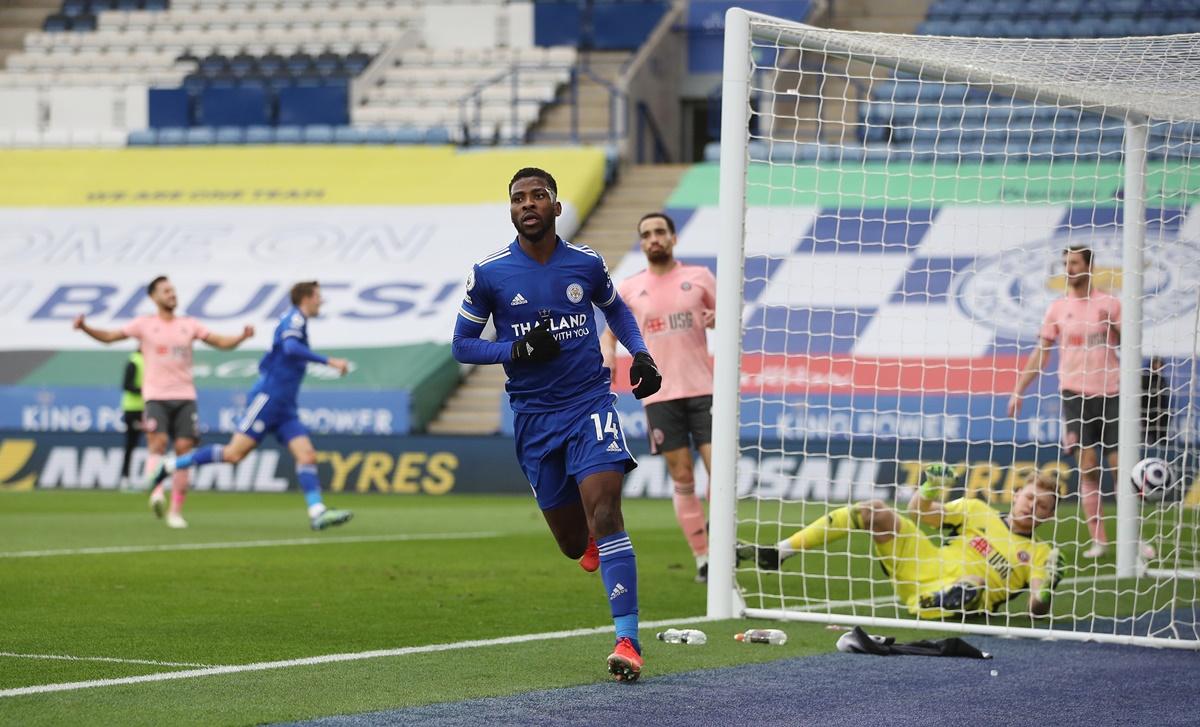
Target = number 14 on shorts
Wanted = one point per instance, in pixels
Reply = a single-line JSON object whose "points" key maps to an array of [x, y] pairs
{"points": [[609, 426]]}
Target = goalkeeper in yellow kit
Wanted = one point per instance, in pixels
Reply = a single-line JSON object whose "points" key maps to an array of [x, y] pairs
{"points": [[988, 558]]}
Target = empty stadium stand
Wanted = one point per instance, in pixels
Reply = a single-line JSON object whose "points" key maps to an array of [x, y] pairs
{"points": [[262, 71]]}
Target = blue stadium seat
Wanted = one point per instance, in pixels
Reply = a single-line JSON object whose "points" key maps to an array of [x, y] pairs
{"points": [[328, 64], [1088, 28], [259, 135], [214, 64], [289, 135], [155, 4], [1056, 28], [169, 107], [408, 135], [935, 27], [379, 135], [230, 135], [943, 10], [1124, 9], [142, 137], [233, 107], [56, 24], [324, 104], [83, 23], [243, 64], [128, 5], [318, 134], [1006, 9], [73, 8], [194, 83], [299, 63], [437, 135], [357, 62], [271, 64], [349, 135], [172, 136], [1117, 27], [200, 136], [1065, 9]]}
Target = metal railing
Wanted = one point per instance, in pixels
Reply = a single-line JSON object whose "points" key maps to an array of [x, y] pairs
{"points": [[471, 107]]}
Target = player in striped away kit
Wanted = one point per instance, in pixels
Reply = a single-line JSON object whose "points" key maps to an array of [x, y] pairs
{"points": [[539, 291], [272, 408], [674, 304]]}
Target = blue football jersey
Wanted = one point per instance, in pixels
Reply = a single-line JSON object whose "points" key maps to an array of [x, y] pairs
{"points": [[279, 374], [518, 292]]}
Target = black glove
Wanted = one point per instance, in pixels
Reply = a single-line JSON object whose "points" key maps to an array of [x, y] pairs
{"points": [[644, 376], [538, 346]]}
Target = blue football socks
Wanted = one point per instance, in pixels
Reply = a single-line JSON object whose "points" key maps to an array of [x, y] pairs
{"points": [[618, 571], [307, 474], [203, 455]]}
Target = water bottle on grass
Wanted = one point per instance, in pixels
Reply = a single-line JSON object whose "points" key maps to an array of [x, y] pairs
{"points": [[762, 636], [683, 636]]}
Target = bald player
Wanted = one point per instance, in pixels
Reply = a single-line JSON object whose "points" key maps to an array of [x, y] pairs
{"points": [[674, 306]]}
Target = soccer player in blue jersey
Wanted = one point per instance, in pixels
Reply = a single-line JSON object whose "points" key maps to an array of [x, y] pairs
{"points": [[272, 407], [539, 291]]}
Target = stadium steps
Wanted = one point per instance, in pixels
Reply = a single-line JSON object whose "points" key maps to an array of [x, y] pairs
{"points": [[19, 17], [594, 111], [475, 406]]}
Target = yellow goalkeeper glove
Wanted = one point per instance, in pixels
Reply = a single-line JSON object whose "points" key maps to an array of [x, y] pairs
{"points": [[938, 477]]}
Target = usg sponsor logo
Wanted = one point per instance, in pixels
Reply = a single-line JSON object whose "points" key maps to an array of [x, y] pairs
{"points": [[1010, 292]]}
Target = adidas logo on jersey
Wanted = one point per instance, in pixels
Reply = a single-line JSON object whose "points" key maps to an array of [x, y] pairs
{"points": [[518, 299], [614, 447], [618, 590]]}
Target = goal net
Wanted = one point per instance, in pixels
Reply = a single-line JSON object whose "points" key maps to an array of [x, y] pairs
{"points": [[898, 208]]}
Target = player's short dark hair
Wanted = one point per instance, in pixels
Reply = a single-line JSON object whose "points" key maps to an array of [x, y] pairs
{"points": [[534, 173], [154, 284], [666, 218], [302, 290], [1083, 250]]}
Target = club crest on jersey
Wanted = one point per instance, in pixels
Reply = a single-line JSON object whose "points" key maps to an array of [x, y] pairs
{"points": [[685, 285], [575, 292], [470, 281]]}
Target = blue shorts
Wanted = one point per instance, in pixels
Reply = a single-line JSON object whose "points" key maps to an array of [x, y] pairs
{"points": [[264, 416], [558, 449]]}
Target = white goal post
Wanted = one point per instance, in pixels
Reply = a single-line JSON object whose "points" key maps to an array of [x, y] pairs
{"points": [[906, 132]]}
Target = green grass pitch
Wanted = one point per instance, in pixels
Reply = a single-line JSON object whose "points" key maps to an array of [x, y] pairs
{"points": [[474, 568]]}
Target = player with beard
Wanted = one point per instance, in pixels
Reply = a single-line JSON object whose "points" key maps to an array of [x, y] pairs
{"points": [[674, 305], [1086, 325], [167, 386], [273, 407]]}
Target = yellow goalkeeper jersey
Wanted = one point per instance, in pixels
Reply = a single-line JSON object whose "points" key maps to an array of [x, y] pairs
{"points": [[982, 546]]}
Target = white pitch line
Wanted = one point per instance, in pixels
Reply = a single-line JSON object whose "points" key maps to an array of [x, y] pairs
{"points": [[111, 659], [332, 540], [329, 659]]}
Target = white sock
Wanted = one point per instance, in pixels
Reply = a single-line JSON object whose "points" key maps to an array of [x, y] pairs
{"points": [[315, 510], [785, 549], [169, 465], [701, 561]]}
